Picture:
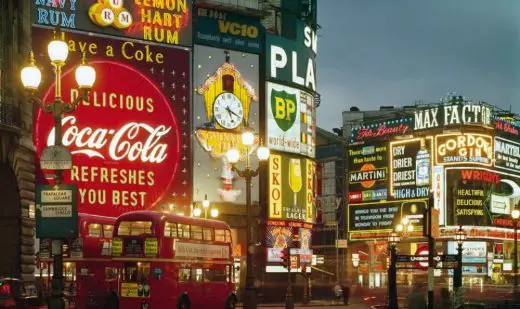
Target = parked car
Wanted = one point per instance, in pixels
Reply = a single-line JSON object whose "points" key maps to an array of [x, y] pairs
{"points": [[14, 294]]}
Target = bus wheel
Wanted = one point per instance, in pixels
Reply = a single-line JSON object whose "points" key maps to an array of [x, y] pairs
{"points": [[231, 303], [184, 303]]}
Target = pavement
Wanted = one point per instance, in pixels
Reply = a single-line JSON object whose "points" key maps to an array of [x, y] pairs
{"points": [[354, 304]]}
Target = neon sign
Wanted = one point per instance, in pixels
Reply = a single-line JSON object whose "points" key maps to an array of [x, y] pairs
{"points": [[456, 114], [465, 148]]}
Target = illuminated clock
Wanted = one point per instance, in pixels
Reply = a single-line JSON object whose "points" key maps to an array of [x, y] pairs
{"points": [[228, 110]]}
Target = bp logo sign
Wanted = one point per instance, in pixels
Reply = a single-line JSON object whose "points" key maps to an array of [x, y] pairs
{"points": [[284, 108]]}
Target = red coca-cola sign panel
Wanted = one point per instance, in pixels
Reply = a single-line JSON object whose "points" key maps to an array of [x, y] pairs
{"points": [[130, 141]]}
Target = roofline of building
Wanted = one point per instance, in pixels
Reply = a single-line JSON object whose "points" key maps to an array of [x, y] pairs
{"points": [[330, 135]]}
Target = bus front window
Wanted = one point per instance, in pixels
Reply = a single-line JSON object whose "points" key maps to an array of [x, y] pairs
{"points": [[137, 272]]}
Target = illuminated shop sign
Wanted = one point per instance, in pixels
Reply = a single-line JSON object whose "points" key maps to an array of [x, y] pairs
{"points": [[291, 188], [384, 216], [507, 155], [456, 114], [291, 120], [467, 148], [228, 30], [126, 141], [505, 127], [293, 61], [410, 168], [367, 179], [382, 130], [167, 22]]}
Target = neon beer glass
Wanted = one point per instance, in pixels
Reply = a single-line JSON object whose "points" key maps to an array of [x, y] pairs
{"points": [[295, 177]]}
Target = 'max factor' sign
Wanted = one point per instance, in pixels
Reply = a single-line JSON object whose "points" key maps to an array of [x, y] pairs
{"points": [[293, 61], [456, 114]]}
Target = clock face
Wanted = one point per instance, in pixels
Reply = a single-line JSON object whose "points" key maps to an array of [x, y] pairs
{"points": [[228, 110]]}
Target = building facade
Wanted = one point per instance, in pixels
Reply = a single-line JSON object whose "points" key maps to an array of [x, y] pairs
{"points": [[457, 158]]}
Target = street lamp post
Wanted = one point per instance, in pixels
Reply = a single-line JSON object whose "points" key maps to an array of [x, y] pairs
{"points": [[393, 239], [31, 77], [515, 214], [460, 237], [233, 156], [197, 211]]}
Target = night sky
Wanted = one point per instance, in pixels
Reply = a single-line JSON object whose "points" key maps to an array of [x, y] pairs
{"points": [[381, 52]]}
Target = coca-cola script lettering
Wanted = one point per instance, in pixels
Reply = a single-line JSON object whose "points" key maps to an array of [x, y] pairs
{"points": [[132, 141]]}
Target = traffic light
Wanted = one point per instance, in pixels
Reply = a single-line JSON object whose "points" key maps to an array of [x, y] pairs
{"points": [[284, 256]]}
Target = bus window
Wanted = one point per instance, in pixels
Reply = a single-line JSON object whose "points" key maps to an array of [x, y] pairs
{"points": [[184, 230], [69, 271], [196, 232], [207, 233], [136, 272], [196, 274], [135, 228], [220, 235], [228, 236], [170, 229], [94, 230], [110, 273], [184, 274], [219, 275], [108, 230]]}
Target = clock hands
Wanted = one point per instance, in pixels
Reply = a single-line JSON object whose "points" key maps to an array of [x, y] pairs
{"points": [[231, 112]]}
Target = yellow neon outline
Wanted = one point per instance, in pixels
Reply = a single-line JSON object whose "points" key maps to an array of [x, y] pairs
{"points": [[492, 143]]}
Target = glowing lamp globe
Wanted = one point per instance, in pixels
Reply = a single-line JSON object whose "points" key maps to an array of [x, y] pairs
{"points": [[197, 212], [85, 76], [263, 153], [58, 51], [233, 155], [214, 212], [248, 138], [31, 77], [515, 214]]}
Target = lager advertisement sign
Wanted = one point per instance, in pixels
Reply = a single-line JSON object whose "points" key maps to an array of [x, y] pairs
{"points": [[166, 22], [291, 120], [127, 141], [291, 188]]}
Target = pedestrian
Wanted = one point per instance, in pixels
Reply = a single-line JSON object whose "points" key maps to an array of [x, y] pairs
{"points": [[112, 300], [346, 293], [416, 299], [444, 302], [338, 292]]}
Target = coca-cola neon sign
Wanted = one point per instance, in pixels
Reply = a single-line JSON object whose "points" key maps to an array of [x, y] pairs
{"points": [[125, 142]]}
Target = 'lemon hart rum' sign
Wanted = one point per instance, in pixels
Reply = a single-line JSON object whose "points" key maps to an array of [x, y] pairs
{"points": [[166, 22]]}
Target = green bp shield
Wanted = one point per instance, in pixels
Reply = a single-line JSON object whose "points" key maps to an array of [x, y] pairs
{"points": [[284, 107]]}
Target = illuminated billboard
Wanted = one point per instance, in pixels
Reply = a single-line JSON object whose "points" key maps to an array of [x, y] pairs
{"points": [[293, 61], [291, 188], [447, 115], [166, 22], [368, 173], [127, 141], [384, 216], [291, 120], [463, 149], [224, 29], [382, 130], [410, 168], [507, 155], [479, 196], [225, 102]]}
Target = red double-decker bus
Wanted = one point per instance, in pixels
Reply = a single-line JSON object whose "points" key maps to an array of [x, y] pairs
{"points": [[172, 261], [88, 270]]}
